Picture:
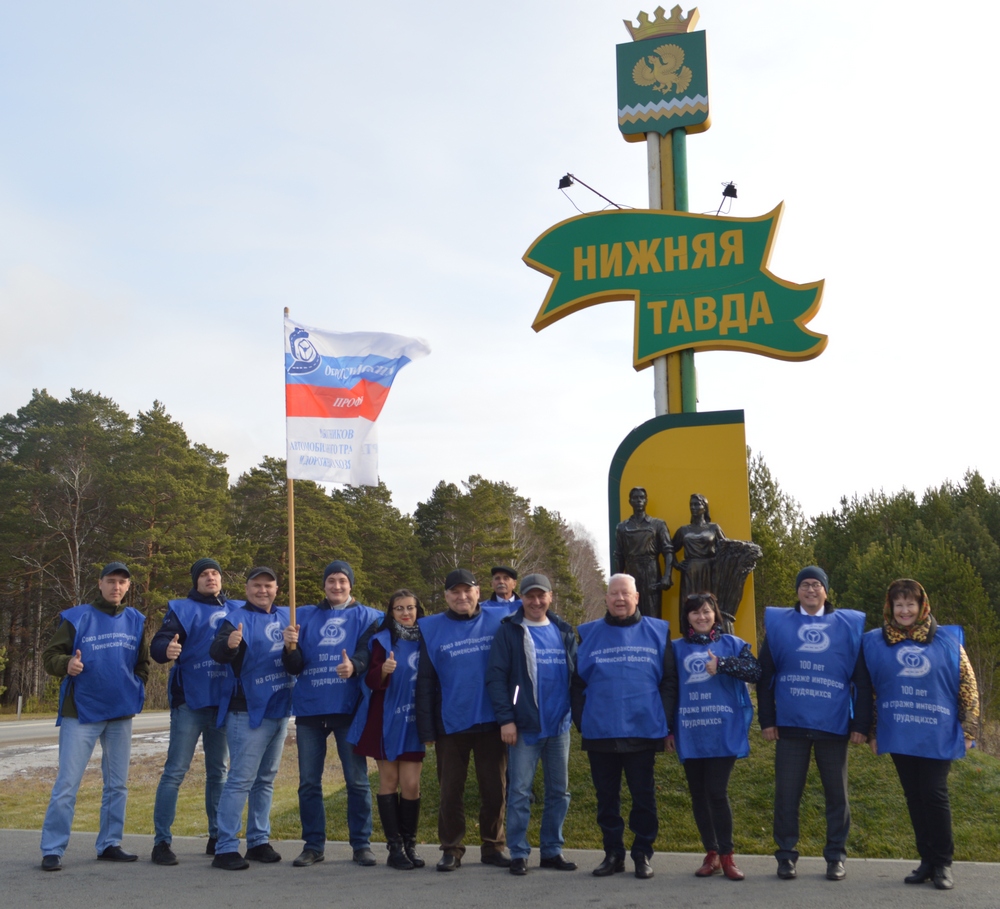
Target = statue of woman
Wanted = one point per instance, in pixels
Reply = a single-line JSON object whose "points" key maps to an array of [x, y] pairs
{"points": [[698, 540]]}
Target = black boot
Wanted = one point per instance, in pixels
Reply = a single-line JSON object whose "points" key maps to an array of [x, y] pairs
{"points": [[409, 818], [388, 811]]}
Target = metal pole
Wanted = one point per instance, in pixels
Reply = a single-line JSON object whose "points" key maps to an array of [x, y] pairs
{"points": [[291, 544], [689, 390], [654, 175]]}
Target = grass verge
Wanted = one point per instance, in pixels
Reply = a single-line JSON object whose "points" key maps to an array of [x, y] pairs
{"points": [[880, 823]]}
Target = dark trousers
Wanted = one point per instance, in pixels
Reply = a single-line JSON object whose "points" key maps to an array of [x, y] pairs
{"points": [[925, 785], [606, 771], [791, 763], [452, 770], [708, 782]]}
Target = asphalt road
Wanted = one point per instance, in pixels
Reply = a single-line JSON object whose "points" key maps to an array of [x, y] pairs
{"points": [[339, 882], [45, 732]]}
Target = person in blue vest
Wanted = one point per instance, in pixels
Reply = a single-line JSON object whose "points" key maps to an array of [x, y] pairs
{"points": [[623, 696], [326, 695], [814, 695], [925, 691], [100, 653], [385, 726], [713, 722], [503, 580], [530, 666], [194, 689], [455, 715], [254, 707]]}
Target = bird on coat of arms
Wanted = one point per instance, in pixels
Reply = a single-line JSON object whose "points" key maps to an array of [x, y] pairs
{"points": [[663, 69]]}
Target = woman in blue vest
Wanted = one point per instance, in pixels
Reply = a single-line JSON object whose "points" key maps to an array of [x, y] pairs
{"points": [[385, 726], [713, 718], [925, 690]]}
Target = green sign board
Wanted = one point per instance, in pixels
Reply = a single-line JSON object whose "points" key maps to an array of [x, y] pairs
{"points": [[698, 281], [663, 85]]}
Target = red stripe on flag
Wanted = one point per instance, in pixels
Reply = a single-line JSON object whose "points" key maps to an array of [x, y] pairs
{"points": [[363, 400]]}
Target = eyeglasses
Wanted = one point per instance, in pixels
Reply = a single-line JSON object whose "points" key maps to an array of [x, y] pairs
{"points": [[811, 585]]}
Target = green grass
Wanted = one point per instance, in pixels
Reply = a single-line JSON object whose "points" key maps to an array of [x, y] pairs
{"points": [[880, 825]]}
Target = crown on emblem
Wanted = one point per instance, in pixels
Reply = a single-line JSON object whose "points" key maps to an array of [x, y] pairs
{"points": [[661, 25]]}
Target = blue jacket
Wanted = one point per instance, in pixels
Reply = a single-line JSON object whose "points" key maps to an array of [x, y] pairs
{"points": [[507, 669]]}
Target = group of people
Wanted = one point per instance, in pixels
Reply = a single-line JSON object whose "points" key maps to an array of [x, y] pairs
{"points": [[501, 680]]}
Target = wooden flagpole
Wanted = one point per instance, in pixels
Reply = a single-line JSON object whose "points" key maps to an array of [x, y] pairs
{"points": [[291, 542]]}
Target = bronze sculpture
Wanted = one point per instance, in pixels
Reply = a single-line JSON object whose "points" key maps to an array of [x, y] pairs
{"points": [[698, 540], [639, 542]]}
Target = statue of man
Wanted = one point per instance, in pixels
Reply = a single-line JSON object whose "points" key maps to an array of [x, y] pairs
{"points": [[639, 543]]}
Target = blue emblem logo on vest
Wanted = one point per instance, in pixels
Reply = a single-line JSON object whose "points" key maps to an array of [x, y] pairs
{"points": [[413, 661], [273, 633], [332, 632], [215, 619], [694, 664], [305, 357], [814, 638], [914, 661]]}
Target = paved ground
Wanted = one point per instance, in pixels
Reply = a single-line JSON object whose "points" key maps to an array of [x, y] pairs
{"points": [[338, 882]]}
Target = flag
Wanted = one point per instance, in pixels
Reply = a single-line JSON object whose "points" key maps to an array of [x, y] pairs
{"points": [[336, 384]]}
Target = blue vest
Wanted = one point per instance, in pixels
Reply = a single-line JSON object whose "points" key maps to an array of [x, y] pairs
{"points": [[623, 668], [551, 681], [713, 711], [266, 685], [916, 690], [399, 716], [814, 659], [323, 636], [201, 678], [108, 687], [458, 651], [509, 608]]}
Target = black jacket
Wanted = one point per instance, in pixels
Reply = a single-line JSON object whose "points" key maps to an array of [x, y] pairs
{"points": [[507, 671]]}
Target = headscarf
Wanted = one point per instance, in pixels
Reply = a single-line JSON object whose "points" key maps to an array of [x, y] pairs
{"points": [[922, 630]]}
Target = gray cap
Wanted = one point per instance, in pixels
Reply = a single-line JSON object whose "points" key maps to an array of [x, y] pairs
{"points": [[535, 582], [115, 568]]}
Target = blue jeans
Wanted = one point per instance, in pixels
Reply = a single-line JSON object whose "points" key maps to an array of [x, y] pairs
{"points": [[255, 758], [312, 756], [186, 724], [522, 762], [76, 745]]}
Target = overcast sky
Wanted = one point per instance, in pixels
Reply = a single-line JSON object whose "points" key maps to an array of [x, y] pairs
{"points": [[173, 174]]}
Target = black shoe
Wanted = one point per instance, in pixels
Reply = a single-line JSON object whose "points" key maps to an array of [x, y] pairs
{"points": [[365, 858], [942, 877], [558, 862], [612, 864], [921, 874], [212, 843], [835, 871], [498, 859], [263, 853], [518, 867], [116, 854], [307, 857], [163, 854], [230, 861], [786, 869], [643, 870], [449, 862], [51, 863]]}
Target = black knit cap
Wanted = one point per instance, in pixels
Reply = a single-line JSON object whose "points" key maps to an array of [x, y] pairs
{"points": [[203, 565], [338, 566], [813, 573]]}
